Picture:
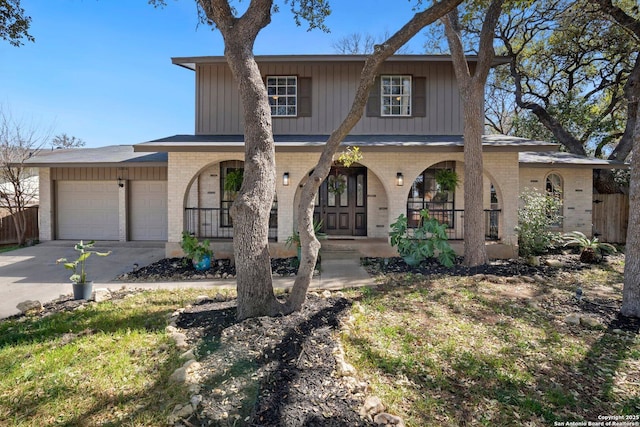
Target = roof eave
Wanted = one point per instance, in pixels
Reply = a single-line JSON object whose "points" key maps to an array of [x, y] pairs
{"points": [[190, 62]]}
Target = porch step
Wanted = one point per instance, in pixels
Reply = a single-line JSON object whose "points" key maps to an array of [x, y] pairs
{"points": [[348, 254], [341, 268]]}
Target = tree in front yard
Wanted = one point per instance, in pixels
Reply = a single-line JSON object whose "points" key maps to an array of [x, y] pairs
{"points": [[252, 207], [18, 182], [472, 86], [631, 291]]}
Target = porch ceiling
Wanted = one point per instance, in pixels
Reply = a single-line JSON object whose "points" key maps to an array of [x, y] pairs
{"points": [[448, 143]]}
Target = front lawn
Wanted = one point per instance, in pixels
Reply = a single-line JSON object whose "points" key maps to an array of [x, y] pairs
{"points": [[102, 364], [458, 350]]}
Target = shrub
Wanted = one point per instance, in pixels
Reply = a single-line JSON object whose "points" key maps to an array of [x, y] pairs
{"points": [[423, 242], [590, 249], [193, 249], [536, 217]]}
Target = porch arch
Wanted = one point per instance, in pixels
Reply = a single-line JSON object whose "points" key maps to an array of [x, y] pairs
{"points": [[448, 207]]}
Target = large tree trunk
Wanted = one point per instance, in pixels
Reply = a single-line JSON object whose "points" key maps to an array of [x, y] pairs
{"points": [[631, 292], [250, 211], [475, 252], [472, 94]]}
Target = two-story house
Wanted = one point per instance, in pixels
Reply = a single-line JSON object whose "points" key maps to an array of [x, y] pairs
{"points": [[412, 129]]}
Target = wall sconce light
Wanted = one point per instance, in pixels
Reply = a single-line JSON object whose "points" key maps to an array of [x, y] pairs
{"points": [[285, 179], [399, 179], [120, 183]]}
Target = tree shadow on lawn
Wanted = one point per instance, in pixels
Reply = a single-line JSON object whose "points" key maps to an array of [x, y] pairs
{"points": [[520, 376], [282, 383]]}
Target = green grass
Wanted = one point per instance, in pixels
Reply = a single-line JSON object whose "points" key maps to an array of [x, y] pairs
{"points": [[453, 351], [10, 248], [107, 364]]}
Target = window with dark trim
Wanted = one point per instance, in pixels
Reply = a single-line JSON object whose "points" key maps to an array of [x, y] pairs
{"points": [[395, 95], [283, 95], [398, 96]]}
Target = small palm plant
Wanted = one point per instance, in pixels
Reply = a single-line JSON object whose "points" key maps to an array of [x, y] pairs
{"points": [[590, 249]]}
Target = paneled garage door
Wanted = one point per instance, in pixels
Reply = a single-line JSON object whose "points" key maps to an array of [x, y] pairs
{"points": [[148, 213], [87, 210]]}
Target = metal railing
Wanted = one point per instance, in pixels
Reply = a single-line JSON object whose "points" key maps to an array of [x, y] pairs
{"points": [[216, 223], [454, 218]]}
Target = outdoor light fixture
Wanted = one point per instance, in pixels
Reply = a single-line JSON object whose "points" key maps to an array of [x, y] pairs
{"points": [[285, 179], [399, 179], [120, 183]]}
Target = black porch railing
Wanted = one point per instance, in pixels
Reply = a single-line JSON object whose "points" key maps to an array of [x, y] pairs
{"points": [[215, 223], [454, 218]]}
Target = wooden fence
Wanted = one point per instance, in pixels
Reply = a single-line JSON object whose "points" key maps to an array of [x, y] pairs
{"points": [[8, 234], [610, 217]]}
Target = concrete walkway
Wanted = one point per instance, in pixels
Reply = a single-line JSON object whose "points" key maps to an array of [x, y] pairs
{"points": [[32, 273]]}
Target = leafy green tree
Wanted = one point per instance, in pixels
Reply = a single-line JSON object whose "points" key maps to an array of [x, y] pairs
{"points": [[569, 72], [14, 24]]}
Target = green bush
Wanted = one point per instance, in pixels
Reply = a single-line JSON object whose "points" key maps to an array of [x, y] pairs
{"points": [[536, 217], [591, 250], [193, 249], [415, 245]]}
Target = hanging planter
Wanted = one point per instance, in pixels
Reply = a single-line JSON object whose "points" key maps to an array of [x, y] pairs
{"points": [[447, 181]]}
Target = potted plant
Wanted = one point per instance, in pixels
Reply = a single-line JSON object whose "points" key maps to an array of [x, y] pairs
{"points": [[199, 253], [82, 288], [294, 239], [447, 180]]}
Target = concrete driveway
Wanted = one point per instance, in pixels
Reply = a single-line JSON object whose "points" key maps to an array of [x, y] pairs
{"points": [[32, 274]]}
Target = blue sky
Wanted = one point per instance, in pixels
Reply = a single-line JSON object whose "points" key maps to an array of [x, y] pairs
{"points": [[101, 70]]}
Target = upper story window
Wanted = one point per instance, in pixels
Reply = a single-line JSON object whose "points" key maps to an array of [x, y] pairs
{"points": [[395, 95], [283, 95], [398, 96]]}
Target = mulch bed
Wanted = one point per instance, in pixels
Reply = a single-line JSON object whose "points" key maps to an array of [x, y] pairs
{"points": [[283, 364]]}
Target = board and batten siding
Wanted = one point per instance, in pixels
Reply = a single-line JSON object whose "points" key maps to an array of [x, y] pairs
{"points": [[156, 173], [333, 85]]}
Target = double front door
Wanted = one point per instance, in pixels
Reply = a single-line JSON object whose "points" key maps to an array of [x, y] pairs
{"points": [[341, 204]]}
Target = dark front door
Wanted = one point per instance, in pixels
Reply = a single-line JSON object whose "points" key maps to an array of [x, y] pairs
{"points": [[342, 202]]}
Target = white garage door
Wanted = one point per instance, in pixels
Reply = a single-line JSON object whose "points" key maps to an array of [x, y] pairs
{"points": [[87, 210], [148, 213]]}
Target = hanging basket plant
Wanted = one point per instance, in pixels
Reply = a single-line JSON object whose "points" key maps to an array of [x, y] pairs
{"points": [[233, 182], [337, 184]]}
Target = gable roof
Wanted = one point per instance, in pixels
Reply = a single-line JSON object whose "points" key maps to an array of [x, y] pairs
{"points": [[560, 159], [451, 143]]}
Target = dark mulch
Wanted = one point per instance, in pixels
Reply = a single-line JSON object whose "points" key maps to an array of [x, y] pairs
{"points": [[169, 269], [282, 364], [502, 268]]}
